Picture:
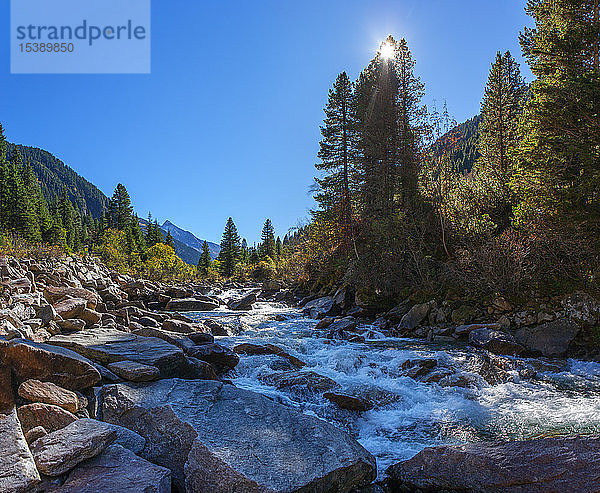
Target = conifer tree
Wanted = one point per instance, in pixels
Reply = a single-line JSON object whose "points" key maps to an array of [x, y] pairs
{"points": [[336, 160], [390, 127], [205, 261], [229, 255], [169, 241], [501, 108], [559, 155], [278, 247], [120, 210], [244, 251], [267, 246]]}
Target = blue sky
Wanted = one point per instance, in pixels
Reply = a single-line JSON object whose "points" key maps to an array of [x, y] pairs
{"points": [[227, 123]]}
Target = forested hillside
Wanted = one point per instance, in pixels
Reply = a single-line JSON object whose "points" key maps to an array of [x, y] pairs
{"points": [[55, 176]]}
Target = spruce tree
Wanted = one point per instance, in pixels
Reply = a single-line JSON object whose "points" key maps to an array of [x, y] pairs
{"points": [[120, 210], [267, 246], [229, 255], [205, 261], [336, 155], [278, 247], [169, 241], [390, 127], [501, 108], [559, 155]]}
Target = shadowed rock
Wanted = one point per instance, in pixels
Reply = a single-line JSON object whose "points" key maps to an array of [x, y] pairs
{"points": [[117, 469], [551, 339], [532, 466]]}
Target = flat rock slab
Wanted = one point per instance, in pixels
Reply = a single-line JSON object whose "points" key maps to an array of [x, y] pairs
{"points": [[60, 451], [110, 345], [134, 371], [49, 393], [17, 468], [495, 341], [192, 305], [117, 470], [50, 417], [529, 466], [218, 438], [175, 338], [49, 363]]}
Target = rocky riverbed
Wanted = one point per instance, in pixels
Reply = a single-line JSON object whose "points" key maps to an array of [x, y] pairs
{"points": [[115, 384]]}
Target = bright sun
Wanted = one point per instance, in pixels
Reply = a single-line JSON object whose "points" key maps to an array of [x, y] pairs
{"points": [[386, 51]]}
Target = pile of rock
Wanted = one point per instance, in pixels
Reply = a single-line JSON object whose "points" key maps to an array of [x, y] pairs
{"points": [[553, 328], [96, 382]]}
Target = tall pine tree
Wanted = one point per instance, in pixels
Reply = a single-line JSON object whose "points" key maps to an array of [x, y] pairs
{"points": [[229, 255], [205, 261]]}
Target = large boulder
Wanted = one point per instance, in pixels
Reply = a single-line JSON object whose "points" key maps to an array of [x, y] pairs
{"points": [[106, 346], [236, 440], [197, 304], [49, 363], [49, 416], [532, 466], [415, 316], [321, 307], [256, 349], [70, 308], [60, 451], [54, 294], [495, 341], [177, 339], [551, 339], [134, 371], [244, 303], [120, 470], [17, 468], [49, 393], [219, 356]]}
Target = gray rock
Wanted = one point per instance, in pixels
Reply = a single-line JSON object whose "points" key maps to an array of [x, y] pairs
{"points": [[465, 330], [532, 466], [117, 469], [47, 313], [219, 356], [551, 339], [495, 341], [17, 468], [338, 328], [321, 307], [60, 451], [71, 325], [177, 339], [134, 371], [236, 440], [110, 345], [244, 303], [180, 326], [35, 433], [128, 439], [415, 316], [198, 304]]}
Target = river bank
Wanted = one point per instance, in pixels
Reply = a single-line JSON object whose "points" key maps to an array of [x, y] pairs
{"points": [[213, 388]]}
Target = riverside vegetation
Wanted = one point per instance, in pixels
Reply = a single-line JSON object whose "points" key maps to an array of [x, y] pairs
{"points": [[440, 308]]}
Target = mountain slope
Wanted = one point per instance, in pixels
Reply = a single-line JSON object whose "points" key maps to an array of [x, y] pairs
{"points": [[55, 176], [460, 144], [190, 239]]}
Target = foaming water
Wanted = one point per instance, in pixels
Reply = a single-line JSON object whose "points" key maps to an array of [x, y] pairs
{"points": [[409, 415]]}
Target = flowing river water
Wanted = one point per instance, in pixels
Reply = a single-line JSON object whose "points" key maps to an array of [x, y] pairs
{"points": [[409, 415]]}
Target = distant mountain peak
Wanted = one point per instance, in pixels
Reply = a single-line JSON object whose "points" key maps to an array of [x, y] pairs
{"points": [[189, 239]]}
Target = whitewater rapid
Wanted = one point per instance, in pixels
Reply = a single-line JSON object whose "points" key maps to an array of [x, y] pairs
{"points": [[409, 415]]}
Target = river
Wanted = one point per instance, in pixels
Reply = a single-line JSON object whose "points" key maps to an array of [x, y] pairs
{"points": [[408, 415]]}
